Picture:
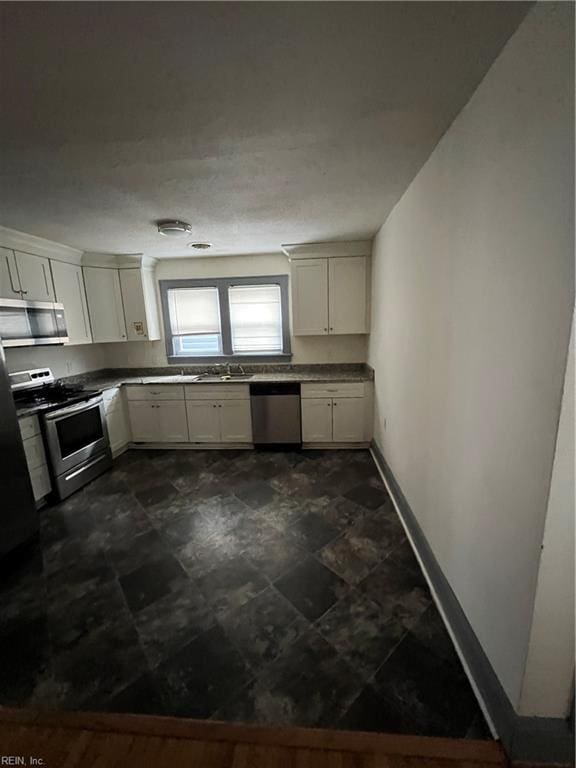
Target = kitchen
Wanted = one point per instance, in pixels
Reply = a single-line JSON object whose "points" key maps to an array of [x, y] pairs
{"points": [[286, 347], [250, 479]]}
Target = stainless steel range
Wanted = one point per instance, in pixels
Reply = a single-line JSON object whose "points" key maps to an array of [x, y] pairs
{"points": [[73, 427]]}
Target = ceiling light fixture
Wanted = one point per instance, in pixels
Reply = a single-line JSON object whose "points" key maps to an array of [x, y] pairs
{"points": [[200, 246], [172, 228]]}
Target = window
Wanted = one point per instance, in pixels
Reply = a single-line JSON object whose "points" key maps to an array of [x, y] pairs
{"points": [[227, 318]]}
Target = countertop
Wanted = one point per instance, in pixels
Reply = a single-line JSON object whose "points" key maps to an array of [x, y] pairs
{"points": [[108, 379]]}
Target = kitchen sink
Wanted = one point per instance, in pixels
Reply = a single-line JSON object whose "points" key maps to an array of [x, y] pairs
{"points": [[225, 377]]}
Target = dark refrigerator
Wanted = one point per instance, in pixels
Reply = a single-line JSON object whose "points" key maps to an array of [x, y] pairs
{"points": [[18, 514]]}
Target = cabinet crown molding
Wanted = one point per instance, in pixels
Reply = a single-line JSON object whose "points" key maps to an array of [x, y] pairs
{"points": [[328, 250], [38, 246], [117, 260]]}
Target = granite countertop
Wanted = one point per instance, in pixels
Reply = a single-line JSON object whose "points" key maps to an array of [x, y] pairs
{"points": [[108, 379], [260, 374]]}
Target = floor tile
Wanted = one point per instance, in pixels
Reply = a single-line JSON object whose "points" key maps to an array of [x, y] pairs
{"points": [[306, 685], [437, 694], [370, 712], [360, 632], [201, 676], [128, 553], [262, 627], [140, 697], [367, 496], [155, 495], [75, 615], [311, 588], [256, 494], [150, 581], [271, 551], [342, 557], [25, 655], [99, 666], [172, 621], [401, 594], [231, 584], [312, 531]]}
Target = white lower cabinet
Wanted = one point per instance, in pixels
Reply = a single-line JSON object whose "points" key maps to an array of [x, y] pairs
{"points": [[235, 421], [116, 420], [219, 421], [203, 421], [158, 422], [336, 413], [317, 420], [35, 457], [348, 419]]}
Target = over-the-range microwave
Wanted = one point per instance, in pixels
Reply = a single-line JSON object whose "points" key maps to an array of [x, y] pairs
{"points": [[31, 323]]}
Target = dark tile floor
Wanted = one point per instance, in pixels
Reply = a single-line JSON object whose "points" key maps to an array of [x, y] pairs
{"points": [[261, 587]]}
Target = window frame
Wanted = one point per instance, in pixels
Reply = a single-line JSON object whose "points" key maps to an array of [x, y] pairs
{"points": [[222, 284]]}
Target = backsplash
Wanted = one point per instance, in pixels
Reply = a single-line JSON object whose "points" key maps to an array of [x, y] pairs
{"points": [[64, 361]]}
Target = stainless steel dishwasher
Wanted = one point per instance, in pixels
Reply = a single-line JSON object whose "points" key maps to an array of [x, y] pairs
{"points": [[276, 414]]}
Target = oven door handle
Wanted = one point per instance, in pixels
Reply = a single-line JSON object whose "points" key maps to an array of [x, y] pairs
{"points": [[63, 412]]}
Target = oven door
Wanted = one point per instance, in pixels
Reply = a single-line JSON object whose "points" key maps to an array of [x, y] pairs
{"points": [[31, 323], [75, 434]]}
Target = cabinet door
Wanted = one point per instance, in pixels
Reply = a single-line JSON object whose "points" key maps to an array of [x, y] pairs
{"points": [[348, 419], [105, 304], [317, 420], [173, 424], [203, 421], [235, 421], [35, 277], [347, 292], [144, 421], [118, 428], [9, 283], [70, 291], [134, 306], [310, 297]]}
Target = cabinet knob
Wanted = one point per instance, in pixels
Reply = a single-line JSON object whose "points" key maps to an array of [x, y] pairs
{"points": [[325, 329], [331, 329]]}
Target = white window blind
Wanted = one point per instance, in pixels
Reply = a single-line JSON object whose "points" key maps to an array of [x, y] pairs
{"points": [[195, 321], [255, 319]]}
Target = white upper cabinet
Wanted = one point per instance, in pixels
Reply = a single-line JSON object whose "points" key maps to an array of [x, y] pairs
{"points": [[105, 304], [9, 281], [70, 291], [139, 298], [329, 283], [122, 302], [347, 294], [310, 297], [34, 277]]}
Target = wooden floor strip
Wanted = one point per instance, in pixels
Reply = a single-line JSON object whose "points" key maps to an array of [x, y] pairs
{"points": [[101, 740]]}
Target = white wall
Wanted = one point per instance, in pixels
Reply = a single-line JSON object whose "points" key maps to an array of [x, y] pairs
{"points": [[321, 349], [64, 361], [472, 287], [549, 671]]}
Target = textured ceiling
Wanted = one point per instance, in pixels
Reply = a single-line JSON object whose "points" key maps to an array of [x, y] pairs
{"points": [[259, 123]]}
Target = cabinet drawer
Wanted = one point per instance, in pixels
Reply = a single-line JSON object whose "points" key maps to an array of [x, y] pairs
{"points": [[40, 480], [29, 426], [34, 450], [337, 389], [217, 391], [155, 392]]}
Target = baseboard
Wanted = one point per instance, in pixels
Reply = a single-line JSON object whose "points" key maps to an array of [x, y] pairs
{"points": [[531, 739], [192, 446]]}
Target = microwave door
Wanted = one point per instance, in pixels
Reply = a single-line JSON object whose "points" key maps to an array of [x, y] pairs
{"points": [[15, 328]]}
